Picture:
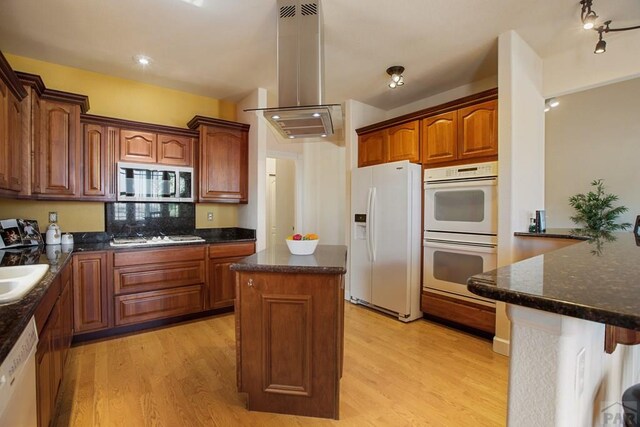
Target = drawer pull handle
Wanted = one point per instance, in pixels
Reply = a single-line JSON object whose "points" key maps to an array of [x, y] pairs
{"points": [[250, 282]]}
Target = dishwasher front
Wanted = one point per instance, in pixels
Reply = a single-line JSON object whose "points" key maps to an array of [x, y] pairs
{"points": [[18, 407]]}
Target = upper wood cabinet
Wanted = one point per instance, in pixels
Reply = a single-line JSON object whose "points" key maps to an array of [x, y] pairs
{"points": [[58, 150], [149, 147], [400, 142], [99, 162], [224, 160], [136, 146], [175, 150], [478, 130], [11, 136], [372, 148], [440, 138]]}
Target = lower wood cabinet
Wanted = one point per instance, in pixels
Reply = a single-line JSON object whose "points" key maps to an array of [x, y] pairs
{"points": [[220, 279], [476, 316], [90, 292], [158, 284], [55, 332]]}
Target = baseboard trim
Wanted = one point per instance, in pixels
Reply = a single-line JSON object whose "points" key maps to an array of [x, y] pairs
{"points": [[501, 346]]}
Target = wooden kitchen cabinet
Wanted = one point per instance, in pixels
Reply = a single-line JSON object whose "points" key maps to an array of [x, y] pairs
{"points": [[99, 162], [478, 130], [221, 281], [440, 138], [399, 142], [58, 150], [465, 135], [11, 136], [372, 149], [90, 292], [224, 160], [53, 319], [403, 142], [158, 284], [149, 147], [137, 146]]}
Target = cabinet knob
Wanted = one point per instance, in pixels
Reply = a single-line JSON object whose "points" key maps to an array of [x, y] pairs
{"points": [[250, 282]]}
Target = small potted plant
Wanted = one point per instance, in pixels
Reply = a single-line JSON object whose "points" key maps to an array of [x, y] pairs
{"points": [[595, 210]]}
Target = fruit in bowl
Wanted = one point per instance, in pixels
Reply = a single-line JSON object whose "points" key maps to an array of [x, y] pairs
{"points": [[300, 244]]}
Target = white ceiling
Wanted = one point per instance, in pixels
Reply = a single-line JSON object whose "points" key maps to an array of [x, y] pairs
{"points": [[226, 48]]}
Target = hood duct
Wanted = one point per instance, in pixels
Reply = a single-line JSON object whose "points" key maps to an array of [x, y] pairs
{"points": [[302, 114]]}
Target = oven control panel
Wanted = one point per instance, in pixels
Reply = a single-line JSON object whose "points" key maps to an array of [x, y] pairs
{"points": [[477, 170]]}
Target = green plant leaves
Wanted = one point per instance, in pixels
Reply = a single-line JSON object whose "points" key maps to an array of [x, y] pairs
{"points": [[595, 209]]}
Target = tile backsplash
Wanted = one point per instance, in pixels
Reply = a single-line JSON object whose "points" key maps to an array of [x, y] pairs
{"points": [[132, 218]]}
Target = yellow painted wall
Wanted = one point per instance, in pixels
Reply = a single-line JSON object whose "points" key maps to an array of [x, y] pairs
{"points": [[125, 99]]}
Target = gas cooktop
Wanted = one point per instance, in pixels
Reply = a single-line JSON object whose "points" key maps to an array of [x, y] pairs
{"points": [[155, 240]]}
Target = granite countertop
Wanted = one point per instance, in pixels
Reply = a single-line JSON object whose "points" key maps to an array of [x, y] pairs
{"points": [[556, 233], [326, 259], [597, 280], [15, 316]]}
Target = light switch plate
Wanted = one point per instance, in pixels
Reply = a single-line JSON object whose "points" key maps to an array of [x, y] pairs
{"points": [[209, 216]]}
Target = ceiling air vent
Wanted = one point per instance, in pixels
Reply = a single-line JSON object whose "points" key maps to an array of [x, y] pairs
{"points": [[309, 9], [288, 11]]}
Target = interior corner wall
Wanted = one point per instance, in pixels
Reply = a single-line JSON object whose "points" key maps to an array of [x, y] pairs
{"points": [[521, 148], [254, 214], [579, 68]]}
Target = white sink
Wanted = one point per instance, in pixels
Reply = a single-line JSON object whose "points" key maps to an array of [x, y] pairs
{"points": [[16, 282]]}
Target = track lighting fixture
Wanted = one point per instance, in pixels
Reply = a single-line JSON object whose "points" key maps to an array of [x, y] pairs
{"points": [[396, 76], [589, 18]]}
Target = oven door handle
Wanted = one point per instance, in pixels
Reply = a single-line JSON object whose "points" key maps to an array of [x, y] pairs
{"points": [[467, 246], [462, 184]]}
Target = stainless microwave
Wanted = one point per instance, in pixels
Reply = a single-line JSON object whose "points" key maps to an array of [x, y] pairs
{"points": [[154, 183]]}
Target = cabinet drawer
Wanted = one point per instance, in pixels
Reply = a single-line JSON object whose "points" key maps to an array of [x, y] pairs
{"points": [[158, 256], [158, 276], [231, 250], [154, 305]]}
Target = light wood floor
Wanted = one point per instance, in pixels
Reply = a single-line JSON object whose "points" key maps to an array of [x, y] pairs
{"points": [[395, 374]]}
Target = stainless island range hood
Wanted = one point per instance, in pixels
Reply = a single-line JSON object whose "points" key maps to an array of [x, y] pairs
{"points": [[302, 116]]}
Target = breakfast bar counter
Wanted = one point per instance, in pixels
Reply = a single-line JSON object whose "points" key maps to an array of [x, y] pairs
{"points": [[290, 330], [569, 309]]}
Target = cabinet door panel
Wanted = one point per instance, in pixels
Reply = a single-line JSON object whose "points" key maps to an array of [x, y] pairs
{"points": [[145, 306], [372, 149], [4, 137], [137, 146], [440, 138], [90, 296], [59, 148], [222, 283], [15, 144], [95, 158], [403, 142], [224, 165], [175, 150], [44, 378], [478, 130]]}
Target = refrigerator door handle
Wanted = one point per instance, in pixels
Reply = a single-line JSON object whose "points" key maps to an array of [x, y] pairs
{"points": [[372, 226], [368, 225]]}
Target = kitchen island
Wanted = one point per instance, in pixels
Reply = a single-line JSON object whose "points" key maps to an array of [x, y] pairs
{"points": [[290, 330], [568, 310]]}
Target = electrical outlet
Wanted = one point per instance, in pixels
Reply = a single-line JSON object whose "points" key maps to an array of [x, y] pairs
{"points": [[53, 216], [209, 216], [580, 362]]}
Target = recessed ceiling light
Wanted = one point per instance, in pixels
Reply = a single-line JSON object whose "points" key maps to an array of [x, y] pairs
{"points": [[324, 135], [316, 114], [291, 136], [197, 3], [142, 60], [275, 117]]}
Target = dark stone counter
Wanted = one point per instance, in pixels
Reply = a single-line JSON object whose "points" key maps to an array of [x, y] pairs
{"points": [[597, 280], [556, 233], [15, 316], [326, 260]]}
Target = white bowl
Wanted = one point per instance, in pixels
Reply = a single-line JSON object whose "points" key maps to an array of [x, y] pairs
{"points": [[302, 247]]}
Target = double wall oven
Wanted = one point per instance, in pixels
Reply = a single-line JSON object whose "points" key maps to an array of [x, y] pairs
{"points": [[460, 228]]}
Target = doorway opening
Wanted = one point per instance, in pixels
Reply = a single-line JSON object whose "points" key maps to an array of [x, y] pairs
{"points": [[280, 200]]}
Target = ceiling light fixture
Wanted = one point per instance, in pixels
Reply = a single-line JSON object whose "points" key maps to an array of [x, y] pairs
{"points": [[396, 76], [142, 60], [589, 18], [550, 103]]}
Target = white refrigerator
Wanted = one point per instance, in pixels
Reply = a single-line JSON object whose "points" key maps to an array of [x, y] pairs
{"points": [[386, 238]]}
